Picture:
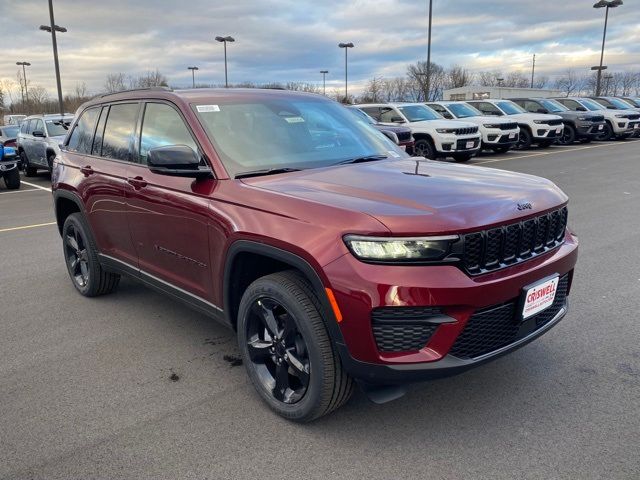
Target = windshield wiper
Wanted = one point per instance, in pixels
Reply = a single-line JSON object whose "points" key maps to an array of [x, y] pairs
{"points": [[266, 171], [369, 158]]}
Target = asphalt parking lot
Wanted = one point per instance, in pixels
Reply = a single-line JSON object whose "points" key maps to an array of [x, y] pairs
{"points": [[86, 387]]}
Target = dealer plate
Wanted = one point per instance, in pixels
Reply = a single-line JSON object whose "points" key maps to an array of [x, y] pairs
{"points": [[600, 127], [539, 297], [470, 144], [558, 130], [512, 135]]}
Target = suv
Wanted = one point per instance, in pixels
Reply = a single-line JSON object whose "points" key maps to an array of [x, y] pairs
{"points": [[399, 135], [39, 141], [9, 166], [498, 134], [535, 128], [332, 254], [583, 126], [619, 124], [434, 136]]}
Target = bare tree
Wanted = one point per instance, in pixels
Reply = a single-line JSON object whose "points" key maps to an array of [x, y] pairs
{"points": [[516, 79], [489, 78], [374, 91], [151, 79], [458, 76], [541, 81], [417, 75], [570, 83], [115, 82]]}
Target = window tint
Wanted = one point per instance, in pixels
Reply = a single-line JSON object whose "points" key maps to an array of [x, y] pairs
{"points": [[118, 132], [96, 148], [373, 112], [487, 108], [32, 125], [37, 125], [530, 106], [82, 135], [162, 126]]}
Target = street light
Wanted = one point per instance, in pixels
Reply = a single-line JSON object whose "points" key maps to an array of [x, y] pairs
{"points": [[52, 30], [346, 47], [225, 40], [24, 78], [324, 81], [604, 4], [193, 76]]}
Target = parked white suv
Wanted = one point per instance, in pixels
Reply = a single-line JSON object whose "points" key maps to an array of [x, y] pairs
{"points": [[535, 128], [498, 134], [39, 141], [434, 136], [618, 123]]}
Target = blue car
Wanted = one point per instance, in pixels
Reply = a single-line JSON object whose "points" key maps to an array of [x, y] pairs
{"points": [[9, 167]]}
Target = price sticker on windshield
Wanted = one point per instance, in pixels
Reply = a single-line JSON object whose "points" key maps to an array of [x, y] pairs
{"points": [[207, 108]]}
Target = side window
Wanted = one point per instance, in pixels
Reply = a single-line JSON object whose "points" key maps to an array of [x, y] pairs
{"points": [[441, 110], [82, 135], [372, 111], [31, 127], [488, 108], [96, 148], [37, 125], [163, 126], [118, 131], [530, 106], [387, 115], [24, 128], [572, 104]]}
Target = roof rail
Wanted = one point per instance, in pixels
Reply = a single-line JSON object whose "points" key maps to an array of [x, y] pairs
{"points": [[148, 89]]}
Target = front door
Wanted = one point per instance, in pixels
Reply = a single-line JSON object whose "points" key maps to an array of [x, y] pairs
{"points": [[38, 144]]}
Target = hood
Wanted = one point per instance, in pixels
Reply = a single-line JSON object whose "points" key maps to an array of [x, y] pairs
{"points": [[430, 124], [482, 119], [535, 116], [418, 196]]}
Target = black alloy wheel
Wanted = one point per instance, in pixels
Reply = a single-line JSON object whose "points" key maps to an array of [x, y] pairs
{"points": [[568, 135], [424, 148], [524, 140], [77, 257]]}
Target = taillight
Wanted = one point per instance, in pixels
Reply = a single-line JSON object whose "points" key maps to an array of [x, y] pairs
{"points": [[10, 143]]}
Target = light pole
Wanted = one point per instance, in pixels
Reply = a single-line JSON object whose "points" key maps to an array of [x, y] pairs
{"points": [[346, 47], [604, 4], [193, 76], [225, 40], [428, 86], [52, 30], [324, 81], [24, 79], [533, 69], [608, 79]]}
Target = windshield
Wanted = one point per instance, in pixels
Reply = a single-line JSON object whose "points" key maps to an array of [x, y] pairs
{"points": [[461, 110], [633, 101], [57, 126], [591, 105], [619, 104], [362, 115], [552, 106], [510, 108], [418, 113], [10, 131], [262, 133]]}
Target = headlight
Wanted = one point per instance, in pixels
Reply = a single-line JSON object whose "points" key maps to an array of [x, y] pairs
{"points": [[399, 249], [619, 115], [491, 125], [539, 121], [446, 130]]}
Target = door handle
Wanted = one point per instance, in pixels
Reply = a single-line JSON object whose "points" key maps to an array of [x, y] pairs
{"points": [[87, 170], [137, 182]]}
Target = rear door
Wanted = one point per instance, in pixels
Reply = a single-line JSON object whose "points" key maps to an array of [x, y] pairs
{"points": [[169, 216], [38, 144], [27, 138]]}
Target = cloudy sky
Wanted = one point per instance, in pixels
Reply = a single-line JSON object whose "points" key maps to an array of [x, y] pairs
{"points": [[291, 40]]}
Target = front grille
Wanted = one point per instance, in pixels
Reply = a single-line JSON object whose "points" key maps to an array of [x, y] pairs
{"points": [[404, 136], [499, 247], [633, 116], [402, 329], [508, 126], [466, 131], [597, 118], [492, 328], [554, 122]]}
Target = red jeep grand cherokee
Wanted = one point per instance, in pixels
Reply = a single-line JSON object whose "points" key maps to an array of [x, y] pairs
{"points": [[334, 255]]}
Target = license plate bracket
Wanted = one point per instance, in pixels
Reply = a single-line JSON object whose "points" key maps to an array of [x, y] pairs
{"points": [[537, 297]]}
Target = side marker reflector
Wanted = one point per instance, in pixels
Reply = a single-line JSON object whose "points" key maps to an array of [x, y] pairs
{"points": [[334, 305]]}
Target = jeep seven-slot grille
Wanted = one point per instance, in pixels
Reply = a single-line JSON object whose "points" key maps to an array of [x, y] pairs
{"points": [[633, 116], [508, 126], [466, 131], [492, 328], [554, 122], [597, 118], [502, 246], [401, 329]]}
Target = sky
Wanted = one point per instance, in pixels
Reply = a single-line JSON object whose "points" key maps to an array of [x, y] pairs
{"points": [[292, 40]]}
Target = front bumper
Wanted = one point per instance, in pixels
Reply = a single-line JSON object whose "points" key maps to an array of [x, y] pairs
{"points": [[449, 144], [589, 129], [547, 132], [359, 288], [495, 137]]}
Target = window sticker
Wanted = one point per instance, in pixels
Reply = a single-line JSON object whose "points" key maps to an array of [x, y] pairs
{"points": [[208, 108], [394, 154], [294, 119]]}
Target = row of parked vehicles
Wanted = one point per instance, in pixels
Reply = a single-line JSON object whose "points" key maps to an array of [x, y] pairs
{"points": [[460, 129]]}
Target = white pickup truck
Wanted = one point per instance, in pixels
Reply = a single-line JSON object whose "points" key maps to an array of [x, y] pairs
{"points": [[434, 136], [535, 128]]}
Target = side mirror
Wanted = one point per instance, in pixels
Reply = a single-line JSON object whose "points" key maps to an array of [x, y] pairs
{"points": [[611, 107], [397, 119], [38, 133], [447, 115], [177, 161], [581, 109], [542, 110]]}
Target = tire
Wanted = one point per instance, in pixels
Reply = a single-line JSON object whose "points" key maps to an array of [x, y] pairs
{"points": [[462, 157], [524, 140], [286, 301], [607, 133], [424, 148], [568, 135], [50, 158], [86, 273], [12, 179], [501, 149], [29, 171]]}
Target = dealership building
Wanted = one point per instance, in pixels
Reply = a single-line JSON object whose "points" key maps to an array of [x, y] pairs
{"points": [[473, 92]]}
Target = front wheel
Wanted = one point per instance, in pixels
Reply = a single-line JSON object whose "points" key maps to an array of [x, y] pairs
{"points": [[29, 171], [12, 179], [568, 135], [287, 351], [606, 134], [424, 148], [525, 139]]}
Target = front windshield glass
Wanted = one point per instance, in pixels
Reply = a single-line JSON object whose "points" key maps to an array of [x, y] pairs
{"points": [[619, 104], [510, 108], [461, 110], [264, 132], [552, 106], [591, 105], [418, 113], [11, 131], [58, 126]]}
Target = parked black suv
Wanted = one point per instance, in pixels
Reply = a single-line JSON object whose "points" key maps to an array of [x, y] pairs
{"points": [[582, 126]]}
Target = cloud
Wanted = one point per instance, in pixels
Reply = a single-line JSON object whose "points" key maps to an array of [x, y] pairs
{"points": [[287, 40]]}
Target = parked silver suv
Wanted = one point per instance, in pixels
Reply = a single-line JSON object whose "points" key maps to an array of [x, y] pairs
{"points": [[39, 140]]}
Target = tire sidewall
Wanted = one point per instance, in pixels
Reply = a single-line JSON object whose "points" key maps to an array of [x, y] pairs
{"points": [[525, 139], [76, 220], [429, 149], [571, 138], [266, 287]]}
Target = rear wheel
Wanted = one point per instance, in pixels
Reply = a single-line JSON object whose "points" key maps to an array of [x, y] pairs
{"points": [[29, 171], [50, 158], [424, 148], [568, 135], [12, 179], [524, 140], [286, 348], [606, 134], [81, 257]]}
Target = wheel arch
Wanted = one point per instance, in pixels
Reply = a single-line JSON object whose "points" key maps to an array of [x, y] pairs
{"points": [[66, 203]]}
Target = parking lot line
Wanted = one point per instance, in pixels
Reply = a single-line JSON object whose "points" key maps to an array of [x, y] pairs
{"points": [[23, 227], [37, 186], [551, 152], [20, 191]]}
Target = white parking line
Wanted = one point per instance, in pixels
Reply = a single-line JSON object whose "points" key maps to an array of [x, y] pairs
{"points": [[11, 229], [22, 190], [37, 186]]}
